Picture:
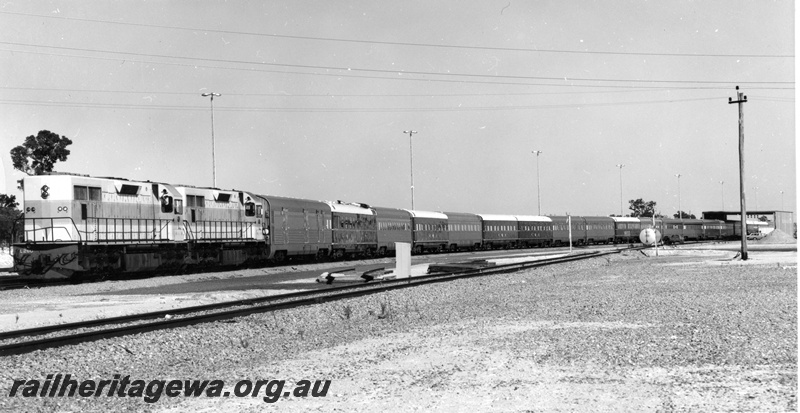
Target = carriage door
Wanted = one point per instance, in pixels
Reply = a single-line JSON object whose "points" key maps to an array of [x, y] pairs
{"points": [[320, 227]]}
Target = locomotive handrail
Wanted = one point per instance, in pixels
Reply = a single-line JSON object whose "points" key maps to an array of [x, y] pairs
{"points": [[146, 234], [48, 230], [234, 230]]}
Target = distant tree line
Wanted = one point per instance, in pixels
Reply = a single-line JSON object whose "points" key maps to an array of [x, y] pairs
{"points": [[641, 209]]}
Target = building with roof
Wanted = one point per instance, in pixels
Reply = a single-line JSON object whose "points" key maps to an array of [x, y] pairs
{"points": [[765, 221]]}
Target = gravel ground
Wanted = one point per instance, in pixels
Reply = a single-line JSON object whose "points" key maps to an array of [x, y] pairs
{"points": [[626, 333]]}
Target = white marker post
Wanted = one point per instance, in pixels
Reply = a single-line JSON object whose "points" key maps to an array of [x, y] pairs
{"points": [[403, 260], [569, 223], [656, 231]]}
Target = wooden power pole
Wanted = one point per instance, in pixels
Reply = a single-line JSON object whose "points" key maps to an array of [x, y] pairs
{"points": [[740, 98]]}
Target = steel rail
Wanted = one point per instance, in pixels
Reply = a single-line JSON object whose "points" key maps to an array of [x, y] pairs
{"points": [[297, 299]]}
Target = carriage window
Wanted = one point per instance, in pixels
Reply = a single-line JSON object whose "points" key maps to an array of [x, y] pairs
{"points": [[166, 203]]}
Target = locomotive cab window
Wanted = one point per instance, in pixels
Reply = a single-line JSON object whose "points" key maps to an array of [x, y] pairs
{"points": [[250, 209], [178, 207], [166, 203]]}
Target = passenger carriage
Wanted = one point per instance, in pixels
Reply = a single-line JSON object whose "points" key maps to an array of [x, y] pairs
{"points": [[353, 229], [562, 230], [534, 231], [650, 222], [464, 231], [499, 231], [394, 225], [599, 230], [680, 230], [626, 229], [713, 229], [429, 231], [296, 228]]}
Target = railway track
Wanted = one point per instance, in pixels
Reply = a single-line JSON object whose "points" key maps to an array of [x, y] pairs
{"points": [[15, 284], [19, 283], [39, 338]]}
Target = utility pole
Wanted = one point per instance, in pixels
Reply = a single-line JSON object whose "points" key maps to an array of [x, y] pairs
{"points": [[213, 145], [411, 152], [620, 166], [538, 184], [680, 211], [722, 185], [740, 99]]}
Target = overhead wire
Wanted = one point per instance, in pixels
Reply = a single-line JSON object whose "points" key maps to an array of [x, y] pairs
{"points": [[353, 109], [382, 71], [411, 44]]}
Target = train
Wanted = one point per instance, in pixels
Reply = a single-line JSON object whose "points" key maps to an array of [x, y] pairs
{"points": [[77, 225]]}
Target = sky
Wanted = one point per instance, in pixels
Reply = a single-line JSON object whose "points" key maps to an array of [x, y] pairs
{"points": [[316, 95]]}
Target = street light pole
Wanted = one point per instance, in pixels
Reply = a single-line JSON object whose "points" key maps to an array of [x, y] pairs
{"points": [[620, 166], [411, 152], [213, 144], [722, 185], [680, 212], [538, 184], [781, 200]]}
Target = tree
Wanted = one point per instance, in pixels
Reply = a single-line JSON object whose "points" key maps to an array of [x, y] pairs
{"points": [[39, 153], [8, 201], [684, 215], [9, 214], [641, 208]]}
